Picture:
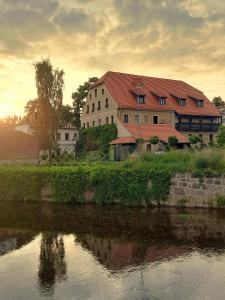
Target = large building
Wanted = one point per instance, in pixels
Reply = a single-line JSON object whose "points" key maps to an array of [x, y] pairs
{"points": [[144, 106]]}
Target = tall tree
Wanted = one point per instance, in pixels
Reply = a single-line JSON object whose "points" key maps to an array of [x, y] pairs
{"points": [[49, 83], [79, 98], [219, 103]]}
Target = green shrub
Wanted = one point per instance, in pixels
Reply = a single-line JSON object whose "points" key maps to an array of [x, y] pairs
{"points": [[220, 201]]}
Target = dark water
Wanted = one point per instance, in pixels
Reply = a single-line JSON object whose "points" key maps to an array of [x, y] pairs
{"points": [[74, 252]]}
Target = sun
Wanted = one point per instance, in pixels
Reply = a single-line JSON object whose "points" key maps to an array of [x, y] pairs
{"points": [[6, 109]]}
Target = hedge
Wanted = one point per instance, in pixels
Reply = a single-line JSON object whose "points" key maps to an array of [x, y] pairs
{"points": [[108, 182]]}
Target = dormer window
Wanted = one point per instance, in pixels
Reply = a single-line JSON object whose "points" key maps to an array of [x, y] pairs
{"points": [[162, 100], [199, 103], [141, 99], [182, 102]]}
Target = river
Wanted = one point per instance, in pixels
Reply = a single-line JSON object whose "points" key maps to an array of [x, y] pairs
{"points": [[86, 252]]}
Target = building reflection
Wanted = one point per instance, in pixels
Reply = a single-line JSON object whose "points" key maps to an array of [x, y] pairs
{"points": [[52, 267]]}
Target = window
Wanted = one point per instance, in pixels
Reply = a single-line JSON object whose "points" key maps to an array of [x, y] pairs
{"points": [[155, 119], [66, 136], [162, 100], [96, 92], [136, 117], [93, 107], [112, 121], [99, 105], [106, 102], [58, 136], [74, 136], [125, 118], [141, 99], [99, 121], [200, 137], [93, 123], [90, 96], [103, 92], [107, 120], [181, 102], [146, 119], [88, 125], [211, 138], [149, 147], [87, 109], [84, 125], [199, 103]]}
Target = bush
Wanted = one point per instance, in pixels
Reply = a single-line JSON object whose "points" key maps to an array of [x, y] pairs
{"points": [[154, 140], [220, 201], [212, 162]]}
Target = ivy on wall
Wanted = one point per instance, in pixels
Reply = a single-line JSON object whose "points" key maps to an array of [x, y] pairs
{"points": [[109, 183]]}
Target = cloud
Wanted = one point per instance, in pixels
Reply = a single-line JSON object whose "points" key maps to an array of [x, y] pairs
{"points": [[77, 21]]}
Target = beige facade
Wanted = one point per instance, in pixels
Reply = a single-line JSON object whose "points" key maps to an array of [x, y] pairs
{"points": [[99, 109]]}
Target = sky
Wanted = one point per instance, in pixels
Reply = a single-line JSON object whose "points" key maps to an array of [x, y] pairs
{"points": [[177, 39]]}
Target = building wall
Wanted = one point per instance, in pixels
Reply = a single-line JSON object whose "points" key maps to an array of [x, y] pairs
{"points": [[67, 145], [103, 113], [205, 135], [146, 116]]}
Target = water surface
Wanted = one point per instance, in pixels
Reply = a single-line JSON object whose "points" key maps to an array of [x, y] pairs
{"points": [[78, 252]]}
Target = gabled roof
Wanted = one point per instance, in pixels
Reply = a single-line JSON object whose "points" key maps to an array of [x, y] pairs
{"points": [[163, 131], [121, 85]]}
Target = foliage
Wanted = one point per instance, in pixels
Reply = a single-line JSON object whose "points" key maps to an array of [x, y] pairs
{"points": [[154, 140], [194, 139], [143, 181], [97, 138], [220, 201], [67, 115], [79, 97], [10, 122], [172, 141], [221, 136], [209, 163], [49, 83], [219, 103]]}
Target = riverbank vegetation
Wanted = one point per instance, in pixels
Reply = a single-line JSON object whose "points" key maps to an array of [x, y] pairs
{"points": [[140, 180]]}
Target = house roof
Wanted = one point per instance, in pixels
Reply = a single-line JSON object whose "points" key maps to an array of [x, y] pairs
{"points": [[122, 88], [17, 145], [163, 131]]}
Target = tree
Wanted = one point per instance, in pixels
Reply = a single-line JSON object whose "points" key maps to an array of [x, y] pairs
{"points": [[172, 141], [219, 103], [194, 139], [221, 137], [31, 111], [154, 140], [67, 115], [79, 98], [49, 83]]}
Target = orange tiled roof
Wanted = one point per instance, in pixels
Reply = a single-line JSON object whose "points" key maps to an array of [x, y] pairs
{"points": [[163, 131], [122, 88], [123, 140]]}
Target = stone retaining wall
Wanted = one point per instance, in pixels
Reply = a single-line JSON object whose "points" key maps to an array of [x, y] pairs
{"points": [[189, 191]]}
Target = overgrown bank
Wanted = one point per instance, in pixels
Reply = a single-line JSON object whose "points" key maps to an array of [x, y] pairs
{"points": [[141, 181]]}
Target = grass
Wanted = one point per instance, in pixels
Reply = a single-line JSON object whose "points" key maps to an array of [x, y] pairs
{"points": [[210, 162]]}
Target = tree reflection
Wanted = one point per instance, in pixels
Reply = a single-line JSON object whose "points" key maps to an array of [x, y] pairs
{"points": [[52, 268]]}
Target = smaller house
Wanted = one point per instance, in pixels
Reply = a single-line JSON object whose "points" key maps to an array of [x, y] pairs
{"points": [[127, 143], [66, 136]]}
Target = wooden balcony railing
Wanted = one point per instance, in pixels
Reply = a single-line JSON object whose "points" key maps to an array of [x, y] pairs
{"points": [[196, 127]]}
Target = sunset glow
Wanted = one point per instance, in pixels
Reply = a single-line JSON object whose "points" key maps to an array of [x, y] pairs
{"points": [[171, 39]]}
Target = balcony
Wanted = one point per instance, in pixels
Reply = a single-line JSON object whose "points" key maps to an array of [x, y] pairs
{"points": [[196, 127]]}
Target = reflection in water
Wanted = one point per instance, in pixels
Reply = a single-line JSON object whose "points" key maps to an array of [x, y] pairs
{"points": [[96, 253], [52, 266]]}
